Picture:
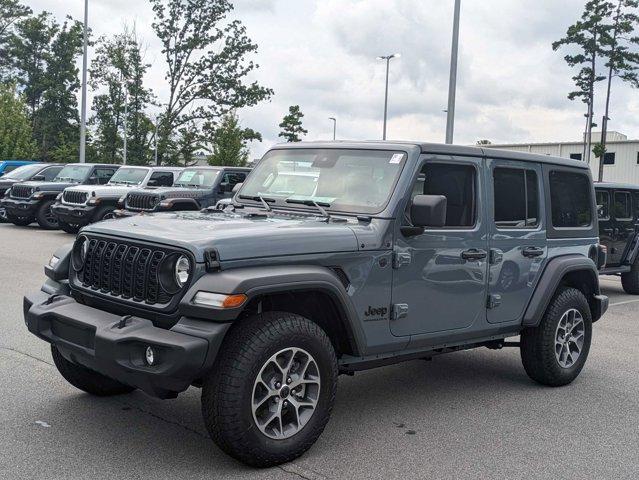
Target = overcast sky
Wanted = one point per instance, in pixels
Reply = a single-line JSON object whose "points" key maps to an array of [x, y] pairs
{"points": [[320, 54]]}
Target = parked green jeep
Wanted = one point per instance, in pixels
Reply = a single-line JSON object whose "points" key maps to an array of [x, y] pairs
{"points": [[390, 252]]}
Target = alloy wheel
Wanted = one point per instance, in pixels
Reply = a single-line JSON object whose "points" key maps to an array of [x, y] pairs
{"points": [[569, 338]]}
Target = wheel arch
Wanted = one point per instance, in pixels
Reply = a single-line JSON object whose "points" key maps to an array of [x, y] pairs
{"points": [[576, 271]]}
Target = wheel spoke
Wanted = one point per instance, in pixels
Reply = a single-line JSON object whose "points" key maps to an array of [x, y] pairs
{"points": [[569, 338]]}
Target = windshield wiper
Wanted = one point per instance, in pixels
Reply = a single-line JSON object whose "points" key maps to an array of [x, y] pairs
{"points": [[312, 203], [259, 198]]}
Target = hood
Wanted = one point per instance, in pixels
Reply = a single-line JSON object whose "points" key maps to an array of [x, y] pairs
{"points": [[48, 186], [6, 183], [103, 190], [174, 192], [234, 236]]}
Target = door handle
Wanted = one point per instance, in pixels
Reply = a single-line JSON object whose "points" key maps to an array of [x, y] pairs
{"points": [[532, 252], [474, 254]]}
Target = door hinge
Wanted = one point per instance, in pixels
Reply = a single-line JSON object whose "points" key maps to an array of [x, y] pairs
{"points": [[494, 301], [399, 310], [400, 259]]}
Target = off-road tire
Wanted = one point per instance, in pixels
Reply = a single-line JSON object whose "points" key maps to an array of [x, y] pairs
{"points": [[87, 380], [538, 343], [68, 227], [103, 212], [41, 216], [227, 391], [19, 221], [630, 280]]}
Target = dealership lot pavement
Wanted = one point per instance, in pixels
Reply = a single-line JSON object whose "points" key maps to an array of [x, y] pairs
{"points": [[466, 415]]}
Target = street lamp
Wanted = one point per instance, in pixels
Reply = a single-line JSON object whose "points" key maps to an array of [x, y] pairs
{"points": [[334, 126], [452, 80], [388, 59], [83, 106], [127, 84]]}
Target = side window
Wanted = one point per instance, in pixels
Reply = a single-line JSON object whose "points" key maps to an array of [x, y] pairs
{"points": [[571, 200], [636, 204], [458, 184], [603, 205], [230, 179], [103, 175], [623, 206], [50, 173], [162, 179], [516, 198]]}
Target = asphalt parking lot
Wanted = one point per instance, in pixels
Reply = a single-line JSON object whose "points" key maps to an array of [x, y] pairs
{"points": [[466, 415]]}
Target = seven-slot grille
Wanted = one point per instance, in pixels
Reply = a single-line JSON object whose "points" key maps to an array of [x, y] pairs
{"points": [[21, 191], [141, 201], [70, 196], [123, 270]]}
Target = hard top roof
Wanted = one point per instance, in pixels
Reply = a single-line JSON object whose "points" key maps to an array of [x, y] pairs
{"points": [[616, 185], [216, 167], [440, 148]]}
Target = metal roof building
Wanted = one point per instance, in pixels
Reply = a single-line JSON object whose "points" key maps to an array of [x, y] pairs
{"points": [[620, 165]]}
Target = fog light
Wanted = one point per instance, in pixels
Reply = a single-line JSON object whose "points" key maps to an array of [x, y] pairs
{"points": [[149, 356], [53, 261]]}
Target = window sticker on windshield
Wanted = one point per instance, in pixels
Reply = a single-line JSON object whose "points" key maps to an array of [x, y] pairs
{"points": [[187, 176], [396, 158]]}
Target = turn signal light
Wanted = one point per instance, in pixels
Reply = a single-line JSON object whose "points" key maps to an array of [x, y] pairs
{"points": [[219, 300]]}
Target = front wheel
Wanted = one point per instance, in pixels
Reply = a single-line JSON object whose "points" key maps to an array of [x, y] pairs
{"points": [[554, 352], [630, 280], [19, 221], [271, 393], [45, 216]]}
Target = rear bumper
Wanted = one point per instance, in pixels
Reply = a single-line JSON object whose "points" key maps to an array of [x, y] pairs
{"points": [[75, 215], [20, 208], [99, 341]]}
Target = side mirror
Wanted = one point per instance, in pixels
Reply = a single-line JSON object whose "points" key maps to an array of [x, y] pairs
{"points": [[237, 187], [93, 180], [426, 211], [152, 183], [38, 178]]}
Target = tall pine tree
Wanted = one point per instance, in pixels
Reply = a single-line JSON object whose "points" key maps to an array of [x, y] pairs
{"points": [[291, 125]]}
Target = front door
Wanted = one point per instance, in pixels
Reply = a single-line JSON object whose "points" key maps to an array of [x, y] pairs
{"points": [[606, 222], [623, 225], [517, 237], [440, 276]]}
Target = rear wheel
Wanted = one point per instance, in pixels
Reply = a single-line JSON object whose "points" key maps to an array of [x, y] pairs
{"points": [[68, 227], [45, 216], [104, 213], [630, 280], [87, 380], [19, 221], [555, 352], [271, 394]]}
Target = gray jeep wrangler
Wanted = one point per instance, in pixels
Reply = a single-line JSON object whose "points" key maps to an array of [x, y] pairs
{"points": [[392, 252]]}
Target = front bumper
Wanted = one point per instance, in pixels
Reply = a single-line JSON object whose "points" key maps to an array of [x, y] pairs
{"points": [[599, 306], [74, 214], [20, 208], [106, 343]]}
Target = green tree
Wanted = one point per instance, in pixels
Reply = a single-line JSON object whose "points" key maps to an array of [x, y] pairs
{"points": [[584, 41], [16, 140], [11, 11], [230, 142], [206, 56], [291, 125], [188, 143], [117, 75], [621, 56], [484, 142]]}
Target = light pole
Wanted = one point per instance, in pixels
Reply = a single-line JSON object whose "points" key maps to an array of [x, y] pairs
{"points": [[124, 120], [83, 107], [155, 142], [452, 82], [388, 59], [334, 126]]}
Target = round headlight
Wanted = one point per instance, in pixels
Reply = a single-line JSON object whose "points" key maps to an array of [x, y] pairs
{"points": [[182, 271], [80, 251]]}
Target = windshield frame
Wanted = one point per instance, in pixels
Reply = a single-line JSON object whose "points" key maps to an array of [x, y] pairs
{"points": [[126, 167], [280, 202], [59, 178]]}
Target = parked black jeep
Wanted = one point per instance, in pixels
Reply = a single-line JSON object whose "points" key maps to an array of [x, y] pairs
{"points": [[384, 252], [31, 201], [618, 208], [196, 188], [37, 172]]}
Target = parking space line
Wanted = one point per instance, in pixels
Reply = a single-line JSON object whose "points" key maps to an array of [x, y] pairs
{"points": [[624, 303]]}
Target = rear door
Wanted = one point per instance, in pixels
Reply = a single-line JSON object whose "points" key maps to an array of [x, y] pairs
{"points": [[517, 237]]}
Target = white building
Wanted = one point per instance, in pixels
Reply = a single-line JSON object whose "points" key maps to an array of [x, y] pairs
{"points": [[622, 155]]}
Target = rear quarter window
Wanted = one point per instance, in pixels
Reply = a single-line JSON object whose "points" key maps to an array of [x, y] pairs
{"points": [[571, 199]]}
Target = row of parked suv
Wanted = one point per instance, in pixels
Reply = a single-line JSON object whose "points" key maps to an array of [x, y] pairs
{"points": [[75, 195], [333, 258]]}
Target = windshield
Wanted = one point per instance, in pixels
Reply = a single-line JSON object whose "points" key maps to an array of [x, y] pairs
{"points": [[73, 173], [358, 181], [129, 176], [197, 177], [23, 173]]}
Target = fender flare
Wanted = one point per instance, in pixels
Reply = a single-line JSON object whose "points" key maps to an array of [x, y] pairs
{"points": [[178, 204], [556, 269], [258, 281]]}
